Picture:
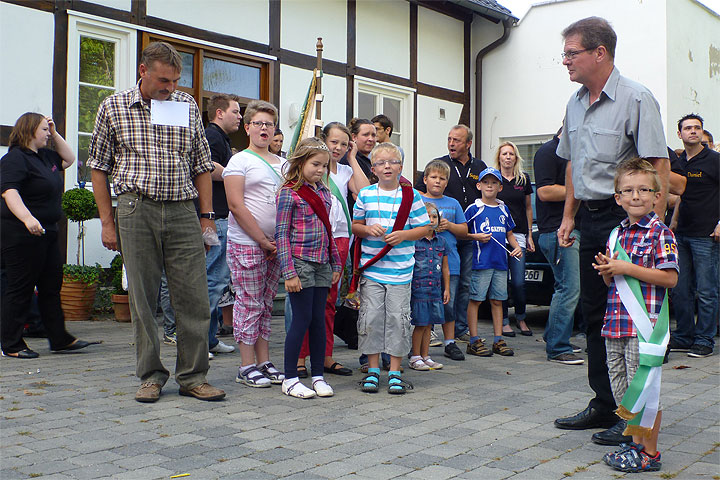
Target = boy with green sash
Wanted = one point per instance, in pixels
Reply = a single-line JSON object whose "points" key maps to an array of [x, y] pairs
{"points": [[640, 264]]}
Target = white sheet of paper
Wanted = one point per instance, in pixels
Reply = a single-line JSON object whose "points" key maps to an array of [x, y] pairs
{"points": [[175, 114]]}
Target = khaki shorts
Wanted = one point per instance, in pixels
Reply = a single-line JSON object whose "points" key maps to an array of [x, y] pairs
{"points": [[313, 274], [384, 318], [623, 359]]}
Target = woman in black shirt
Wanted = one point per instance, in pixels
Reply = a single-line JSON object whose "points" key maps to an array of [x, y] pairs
{"points": [[516, 193], [32, 184]]}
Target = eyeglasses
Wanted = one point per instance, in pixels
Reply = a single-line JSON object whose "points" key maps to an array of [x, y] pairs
{"points": [[389, 162], [267, 125], [643, 192], [574, 53]]}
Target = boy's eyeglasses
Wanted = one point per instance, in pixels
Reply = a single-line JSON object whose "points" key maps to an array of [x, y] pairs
{"points": [[643, 192], [389, 162], [267, 125]]}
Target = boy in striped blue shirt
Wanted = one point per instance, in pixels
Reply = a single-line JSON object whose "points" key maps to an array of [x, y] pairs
{"points": [[384, 317]]}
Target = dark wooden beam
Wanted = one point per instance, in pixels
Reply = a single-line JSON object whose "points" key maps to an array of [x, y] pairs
{"points": [[309, 62], [414, 76], [383, 77], [351, 59], [59, 94], [100, 10], [275, 12], [440, 92], [138, 12], [465, 114], [44, 5]]}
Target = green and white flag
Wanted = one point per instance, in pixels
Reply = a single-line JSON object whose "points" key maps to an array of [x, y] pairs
{"points": [[640, 403]]}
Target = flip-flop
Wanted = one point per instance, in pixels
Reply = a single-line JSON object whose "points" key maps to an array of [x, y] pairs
{"points": [[338, 369]]}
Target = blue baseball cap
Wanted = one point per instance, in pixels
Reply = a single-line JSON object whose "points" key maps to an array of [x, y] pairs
{"points": [[490, 171]]}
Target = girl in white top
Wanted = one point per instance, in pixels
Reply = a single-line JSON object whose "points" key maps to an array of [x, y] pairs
{"points": [[252, 178], [342, 178]]}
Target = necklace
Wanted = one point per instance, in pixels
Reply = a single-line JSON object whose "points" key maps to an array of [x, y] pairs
{"points": [[463, 180], [394, 204]]}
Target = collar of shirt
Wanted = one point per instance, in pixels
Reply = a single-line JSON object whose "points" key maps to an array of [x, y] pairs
{"points": [[645, 222], [610, 88], [136, 97], [217, 127]]}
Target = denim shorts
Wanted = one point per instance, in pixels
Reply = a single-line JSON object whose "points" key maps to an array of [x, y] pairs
{"points": [[488, 284], [313, 274]]}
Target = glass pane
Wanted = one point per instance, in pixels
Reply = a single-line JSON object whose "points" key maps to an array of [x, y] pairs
{"points": [[83, 173], [186, 76], [391, 108], [366, 105], [227, 77], [90, 98], [97, 61]]}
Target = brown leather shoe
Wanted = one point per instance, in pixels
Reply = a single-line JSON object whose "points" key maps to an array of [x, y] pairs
{"points": [[148, 392], [204, 391]]}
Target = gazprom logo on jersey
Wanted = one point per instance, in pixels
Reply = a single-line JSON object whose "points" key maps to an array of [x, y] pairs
{"points": [[486, 228]]}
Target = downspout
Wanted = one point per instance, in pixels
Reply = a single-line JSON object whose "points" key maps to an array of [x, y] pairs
{"points": [[507, 23]]}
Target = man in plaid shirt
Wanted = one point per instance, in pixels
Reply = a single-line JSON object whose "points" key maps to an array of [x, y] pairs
{"points": [[157, 168]]}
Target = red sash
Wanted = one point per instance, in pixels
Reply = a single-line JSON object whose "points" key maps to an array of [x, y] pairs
{"points": [[400, 219], [317, 205]]}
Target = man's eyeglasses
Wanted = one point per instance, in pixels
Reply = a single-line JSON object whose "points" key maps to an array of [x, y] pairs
{"points": [[389, 162], [267, 125], [570, 55], [643, 192]]}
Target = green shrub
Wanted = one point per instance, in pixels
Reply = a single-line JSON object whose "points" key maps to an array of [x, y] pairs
{"points": [[82, 273], [79, 205], [116, 272]]}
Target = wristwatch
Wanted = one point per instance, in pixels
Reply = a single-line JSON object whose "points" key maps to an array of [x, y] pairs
{"points": [[210, 215]]}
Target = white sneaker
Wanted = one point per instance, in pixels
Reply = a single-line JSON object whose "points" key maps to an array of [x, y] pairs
{"points": [[294, 388], [210, 356], [435, 339], [222, 348], [322, 388], [432, 364]]}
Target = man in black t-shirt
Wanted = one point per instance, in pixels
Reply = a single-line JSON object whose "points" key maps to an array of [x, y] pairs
{"points": [[464, 173], [225, 118], [698, 234], [564, 261]]}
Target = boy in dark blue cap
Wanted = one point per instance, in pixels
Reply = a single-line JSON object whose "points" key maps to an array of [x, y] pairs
{"points": [[490, 226]]}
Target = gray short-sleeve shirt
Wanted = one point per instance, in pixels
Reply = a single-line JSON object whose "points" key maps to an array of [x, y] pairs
{"points": [[624, 122]]}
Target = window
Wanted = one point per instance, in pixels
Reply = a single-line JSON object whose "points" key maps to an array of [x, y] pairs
{"points": [[528, 147], [373, 98], [101, 61]]}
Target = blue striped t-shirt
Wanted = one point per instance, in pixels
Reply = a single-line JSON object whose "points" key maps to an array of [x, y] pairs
{"points": [[375, 205]]}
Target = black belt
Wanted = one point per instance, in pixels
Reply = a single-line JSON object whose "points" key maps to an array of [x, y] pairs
{"points": [[595, 205]]}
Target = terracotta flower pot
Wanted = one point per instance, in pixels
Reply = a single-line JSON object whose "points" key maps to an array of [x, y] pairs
{"points": [[77, 299], [121, 306]]}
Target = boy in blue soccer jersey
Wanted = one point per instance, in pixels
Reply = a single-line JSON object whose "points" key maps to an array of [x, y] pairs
{"points": [[387, 262], [490, 226]]}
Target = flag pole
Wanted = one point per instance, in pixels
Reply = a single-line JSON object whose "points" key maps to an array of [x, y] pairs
{"points": [[318, 92]]}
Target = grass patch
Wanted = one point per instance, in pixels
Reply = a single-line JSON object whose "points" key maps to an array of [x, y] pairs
{"points": [[669, 475], [24, 433]]}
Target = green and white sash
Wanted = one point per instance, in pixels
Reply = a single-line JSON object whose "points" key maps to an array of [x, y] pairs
{"points": [[640, 403], [335, 190]]}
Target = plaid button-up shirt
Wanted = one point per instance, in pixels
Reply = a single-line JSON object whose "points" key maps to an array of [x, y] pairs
{"points": [[651, 244], [300, 233], [158, 161]]}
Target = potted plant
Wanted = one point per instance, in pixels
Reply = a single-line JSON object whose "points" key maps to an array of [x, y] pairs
{"points": [[77, 294], [120, 299]]}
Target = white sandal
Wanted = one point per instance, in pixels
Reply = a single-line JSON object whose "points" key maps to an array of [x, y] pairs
{"points": [[419, 364], [322, 388], [432, 364], [296, 389]]}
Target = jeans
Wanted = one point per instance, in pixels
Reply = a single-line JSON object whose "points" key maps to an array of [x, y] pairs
{"points": [[594, 232], [156, 235], [699, 258], [465, 250], [166, 307], [218, 277], [516, 282], [564, 263]]}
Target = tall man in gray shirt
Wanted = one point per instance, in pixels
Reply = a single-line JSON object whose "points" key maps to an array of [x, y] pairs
{"points": [[609, 119]]}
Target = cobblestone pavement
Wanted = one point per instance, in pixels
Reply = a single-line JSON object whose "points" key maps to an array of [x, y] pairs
{"points": [[73, 416]]}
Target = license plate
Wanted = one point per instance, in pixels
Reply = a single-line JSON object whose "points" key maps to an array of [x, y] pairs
{"points": [[533, 275]]}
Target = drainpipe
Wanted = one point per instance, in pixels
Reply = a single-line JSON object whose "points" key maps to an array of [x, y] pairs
{"points": [[478, 82]]}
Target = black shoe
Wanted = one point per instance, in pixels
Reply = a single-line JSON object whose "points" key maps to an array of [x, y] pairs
{"points": [[675, 346], [225, 331], [76, 345], [27, 353], [613, 435], [453, 352], [510, 334], [700, 351], [588, 418]]}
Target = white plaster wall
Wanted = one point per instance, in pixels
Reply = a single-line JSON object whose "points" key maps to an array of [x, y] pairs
{"points": [[328, 22], [440, 50], [694, 59], [294, 83], [119, 4], [525, 85], [383, 36], [95, 252], [248, 19], [26, 81], [432, 131]]}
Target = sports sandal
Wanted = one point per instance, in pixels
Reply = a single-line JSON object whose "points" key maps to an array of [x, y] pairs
{"points": [[370, 384], [271, 373], [252, 377], [611, 457], [634, 461], [400, 386], [297, 390]]}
